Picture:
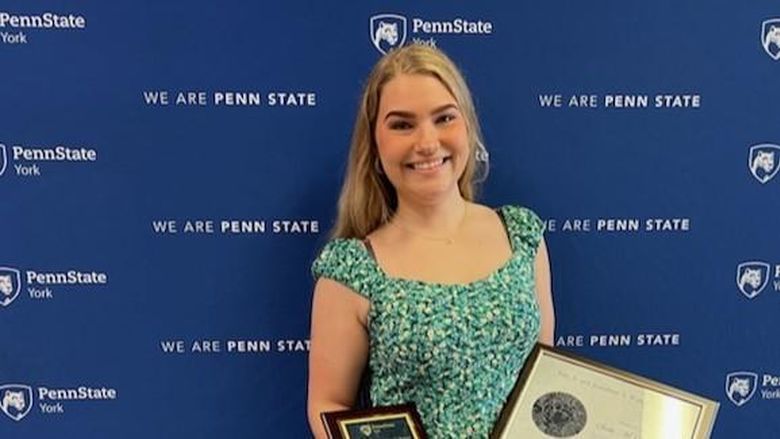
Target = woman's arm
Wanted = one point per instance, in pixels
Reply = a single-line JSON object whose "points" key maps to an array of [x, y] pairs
{"points": [[338, 352], [544, 294]]}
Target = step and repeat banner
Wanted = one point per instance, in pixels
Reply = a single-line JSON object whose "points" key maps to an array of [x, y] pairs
{"points": [[169, 170]]}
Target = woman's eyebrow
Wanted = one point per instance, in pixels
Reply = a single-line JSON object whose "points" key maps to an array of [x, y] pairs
{"points": [[410, 115]]}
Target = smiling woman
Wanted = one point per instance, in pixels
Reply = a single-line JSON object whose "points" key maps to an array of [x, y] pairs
{"points": [[422, 140], [435, 297]]}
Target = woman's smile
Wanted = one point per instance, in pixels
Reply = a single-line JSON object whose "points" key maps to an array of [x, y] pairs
{"points": [[428, 166]]}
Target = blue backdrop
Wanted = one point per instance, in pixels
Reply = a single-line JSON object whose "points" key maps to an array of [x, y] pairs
{"points": [[170, 170]]}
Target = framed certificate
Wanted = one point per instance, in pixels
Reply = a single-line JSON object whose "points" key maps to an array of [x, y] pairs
{"points": [[561, 395], [389, 422]]}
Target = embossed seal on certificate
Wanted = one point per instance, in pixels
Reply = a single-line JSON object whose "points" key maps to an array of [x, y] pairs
{"points": [[559, 414]]}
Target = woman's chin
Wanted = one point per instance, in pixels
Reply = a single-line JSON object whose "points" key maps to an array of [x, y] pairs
{"points": [[431, 193]]}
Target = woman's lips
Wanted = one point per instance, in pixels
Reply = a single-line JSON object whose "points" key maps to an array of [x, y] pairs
{"points": [[428, 165]]}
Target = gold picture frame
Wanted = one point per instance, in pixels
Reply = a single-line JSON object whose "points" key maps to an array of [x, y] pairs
{"points": [[562, 395]]}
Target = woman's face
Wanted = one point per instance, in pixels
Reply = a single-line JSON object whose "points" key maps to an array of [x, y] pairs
{"points": [[421, 137]]}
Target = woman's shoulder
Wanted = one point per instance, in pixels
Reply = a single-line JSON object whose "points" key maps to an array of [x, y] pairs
{"points": [[347, 261], [337, 252], [523, 225], [521, 214], [341, 258], [340, 245]]}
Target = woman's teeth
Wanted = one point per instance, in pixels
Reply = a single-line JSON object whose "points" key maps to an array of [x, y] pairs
{"points": [[429, 165]]}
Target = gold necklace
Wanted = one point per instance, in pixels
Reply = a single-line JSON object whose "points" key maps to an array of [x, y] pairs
{"points": [[449, 240]]}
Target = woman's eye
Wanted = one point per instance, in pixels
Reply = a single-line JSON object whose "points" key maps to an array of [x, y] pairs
{"points": [[400, 125], [445, 118]]}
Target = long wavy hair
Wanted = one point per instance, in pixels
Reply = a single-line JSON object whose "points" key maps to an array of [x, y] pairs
{"points": [[368, 199]]}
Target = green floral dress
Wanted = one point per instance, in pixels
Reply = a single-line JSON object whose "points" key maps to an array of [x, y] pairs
{"points": [[453, 350]]}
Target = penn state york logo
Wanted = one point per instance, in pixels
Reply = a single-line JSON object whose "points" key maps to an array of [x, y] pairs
{"points": [[763, 161], [770, 37], [16, 400], [3, 159], [752, 278], [740, 387], [10, 285], [387, 31]]}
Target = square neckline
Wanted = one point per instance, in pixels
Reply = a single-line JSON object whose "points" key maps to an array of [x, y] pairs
{"points": [[365, 244]]}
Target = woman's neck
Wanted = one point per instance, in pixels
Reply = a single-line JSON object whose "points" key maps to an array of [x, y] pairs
{"points": [[443, 218]]}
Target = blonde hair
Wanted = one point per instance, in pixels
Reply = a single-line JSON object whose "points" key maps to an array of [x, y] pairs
{"points": [[368, 199]]}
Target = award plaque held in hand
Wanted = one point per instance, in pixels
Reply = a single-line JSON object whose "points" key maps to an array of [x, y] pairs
{"points": [[561, 395], [389, 422]]}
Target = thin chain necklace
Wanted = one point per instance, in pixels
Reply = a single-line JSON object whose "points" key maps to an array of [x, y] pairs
{"points": [[449, 240]]}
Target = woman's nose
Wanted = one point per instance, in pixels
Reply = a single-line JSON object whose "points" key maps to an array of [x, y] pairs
{"points": [[427, 139]]}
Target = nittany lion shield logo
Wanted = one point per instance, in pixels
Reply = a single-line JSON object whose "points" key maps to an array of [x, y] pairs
{"points": [[16, 400], [3, 159], [387, 31], [770, 37], [752, 277], [740, 387], [763, 161], [10, 285]]}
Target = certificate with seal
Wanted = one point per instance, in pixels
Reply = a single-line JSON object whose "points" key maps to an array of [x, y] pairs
{"points": [[560, 395], [388, 422]]}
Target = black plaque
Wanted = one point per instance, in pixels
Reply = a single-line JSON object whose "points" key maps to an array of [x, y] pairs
{"points": [[388, 422]]}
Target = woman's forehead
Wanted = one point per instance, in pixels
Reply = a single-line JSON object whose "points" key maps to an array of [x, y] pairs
{"points": [[413, 93]]}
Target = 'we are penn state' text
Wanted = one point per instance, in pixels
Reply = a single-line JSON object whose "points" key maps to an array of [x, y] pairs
{"points": [[621, 101], [199, 98], [235, 226]]}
